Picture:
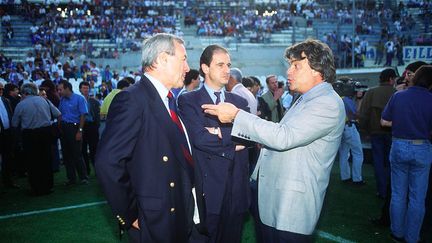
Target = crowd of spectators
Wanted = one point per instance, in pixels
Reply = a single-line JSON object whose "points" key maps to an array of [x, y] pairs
{"points": [[259, 21], [39, 68], [57, 25], [73, 26], [397, 28]]}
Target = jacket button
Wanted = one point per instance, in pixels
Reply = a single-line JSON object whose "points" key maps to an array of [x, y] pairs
{"points": [[172, 184], [165, 159], [172, 210]]}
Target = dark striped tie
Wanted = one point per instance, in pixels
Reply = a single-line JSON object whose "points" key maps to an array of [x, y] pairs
{"points": [[174, 117], [218, 100]]}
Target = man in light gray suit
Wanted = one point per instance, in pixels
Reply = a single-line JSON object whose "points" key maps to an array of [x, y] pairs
{"points": [[293, 169]]}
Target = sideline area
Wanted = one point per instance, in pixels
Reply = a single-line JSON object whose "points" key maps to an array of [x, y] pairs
{"points": [[80, 214]]}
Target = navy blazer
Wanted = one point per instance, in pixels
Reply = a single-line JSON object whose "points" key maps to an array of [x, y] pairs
{"points": [[215, 159], [141, 167], [8, 110]]}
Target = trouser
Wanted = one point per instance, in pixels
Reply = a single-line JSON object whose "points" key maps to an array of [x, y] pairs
{"points": [[427, 222], [6, 152], [410, 166], [259, 226], [351, 143], [381, 144], [272, 235], [90, 140], [37, 151], [72, 156], [227, 230]]}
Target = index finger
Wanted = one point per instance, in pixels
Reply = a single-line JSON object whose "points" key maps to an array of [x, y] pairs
{"points": [[209, 106]]}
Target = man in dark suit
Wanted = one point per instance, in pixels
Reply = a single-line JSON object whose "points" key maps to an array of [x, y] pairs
{"points": [[6, 141], [222, 165], [143, 160], [90, 136]]}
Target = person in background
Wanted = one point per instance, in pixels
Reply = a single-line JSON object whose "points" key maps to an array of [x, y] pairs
{"points": [[409, 113], [6, 140], [73, 108], [33, 116], [122, 85], [90, 137], [191, 82], [11, 92], [350, 143], [273, 98], [369, 120], [235, 86]]}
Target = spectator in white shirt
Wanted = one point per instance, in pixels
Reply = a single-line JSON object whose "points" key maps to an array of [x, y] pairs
{"points": [[236, 87]]}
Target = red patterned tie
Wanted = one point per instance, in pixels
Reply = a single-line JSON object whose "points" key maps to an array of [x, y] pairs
{"points": [[174, 117]]}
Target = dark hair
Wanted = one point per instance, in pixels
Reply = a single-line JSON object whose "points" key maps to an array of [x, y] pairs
{"points": [[319, 55], [84, 83], [192, 74], [423, 77], [9, 87], [130, 80], [387, 74], [256, 80], [248, 82], [123, 84], [415, 65], [207, 55], [66, 84]]}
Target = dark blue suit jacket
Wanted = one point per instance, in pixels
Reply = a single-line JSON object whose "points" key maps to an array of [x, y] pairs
{"points": [[215, 158], [141, 167]]}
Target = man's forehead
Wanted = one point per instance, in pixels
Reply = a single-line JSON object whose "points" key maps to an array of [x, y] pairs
{"points": [[294, 59]]}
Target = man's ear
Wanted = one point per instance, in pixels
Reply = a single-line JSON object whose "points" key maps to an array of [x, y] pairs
{"points": [[162, 58], [205, 68]]}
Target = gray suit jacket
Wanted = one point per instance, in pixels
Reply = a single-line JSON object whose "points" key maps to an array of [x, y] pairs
{"points": [[294, 167]]}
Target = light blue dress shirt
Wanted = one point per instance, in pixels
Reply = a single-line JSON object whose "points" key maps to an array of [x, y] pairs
{"points": [[211, 91]]}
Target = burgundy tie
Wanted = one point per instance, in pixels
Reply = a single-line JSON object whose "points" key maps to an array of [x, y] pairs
{"points": [[174, 117]]}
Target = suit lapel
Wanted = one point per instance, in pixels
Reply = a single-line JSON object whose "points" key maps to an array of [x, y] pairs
{"points": [[167, 126], [205, 98]]}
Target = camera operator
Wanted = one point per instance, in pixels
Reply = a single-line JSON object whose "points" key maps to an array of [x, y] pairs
{"points": [[273, 98], [350, 142]]}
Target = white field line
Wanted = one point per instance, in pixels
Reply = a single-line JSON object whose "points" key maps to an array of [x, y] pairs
{"points": [[331, 237], [49, 210], [320, 233]]}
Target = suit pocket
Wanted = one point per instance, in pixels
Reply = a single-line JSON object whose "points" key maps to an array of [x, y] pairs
{"points": [[150, 203], [291, 185]]}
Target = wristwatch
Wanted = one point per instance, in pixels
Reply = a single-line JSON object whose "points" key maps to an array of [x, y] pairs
{"points": [[80, 129], [216, 131]]}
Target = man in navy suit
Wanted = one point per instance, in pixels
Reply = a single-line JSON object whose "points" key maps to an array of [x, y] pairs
{"points": [[6, 140], [222, 180], [143, 161]]}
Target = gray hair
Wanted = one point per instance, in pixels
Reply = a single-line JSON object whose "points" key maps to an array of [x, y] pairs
{"points": [[157, 44], [236, 74], [29, 89]]}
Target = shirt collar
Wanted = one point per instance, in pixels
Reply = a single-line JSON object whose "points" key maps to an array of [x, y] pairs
{"points": [[211, 91], [161, 89]]}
